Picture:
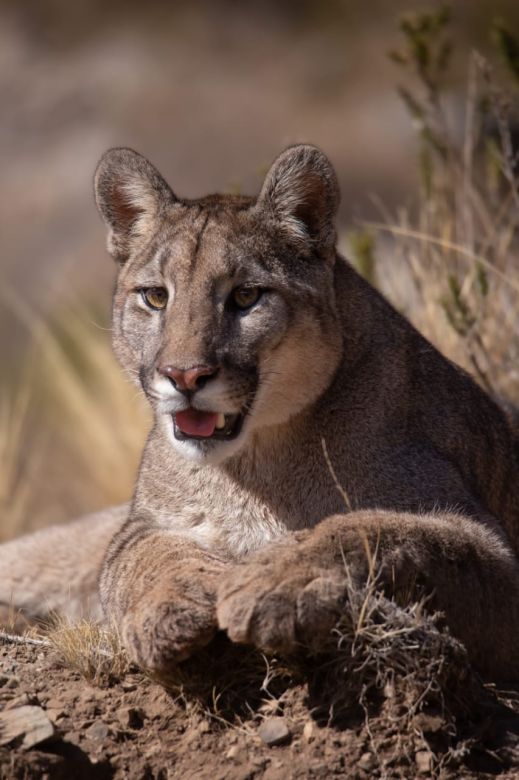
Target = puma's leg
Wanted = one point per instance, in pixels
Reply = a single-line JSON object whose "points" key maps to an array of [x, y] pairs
{"points": [[160, 590], [56, 570], [292, 591]]}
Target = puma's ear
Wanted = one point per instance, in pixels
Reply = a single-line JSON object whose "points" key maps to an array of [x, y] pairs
{"points": [[130, 194], [301, 190]]}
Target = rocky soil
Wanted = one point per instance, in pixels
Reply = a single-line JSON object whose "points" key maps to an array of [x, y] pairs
{"points": [[56, 724]]}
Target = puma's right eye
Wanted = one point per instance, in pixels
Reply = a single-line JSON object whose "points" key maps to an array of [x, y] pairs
{"points": [[245, 297], [154, 297]]}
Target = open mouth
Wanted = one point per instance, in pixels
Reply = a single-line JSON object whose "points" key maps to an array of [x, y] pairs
{"points": [[196, 424]]}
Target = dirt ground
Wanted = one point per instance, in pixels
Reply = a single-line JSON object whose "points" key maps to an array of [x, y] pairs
{"points": [[134, 728]]}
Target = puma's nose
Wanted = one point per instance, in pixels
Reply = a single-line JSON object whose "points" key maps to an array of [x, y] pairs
{"points": [[188, 379]]}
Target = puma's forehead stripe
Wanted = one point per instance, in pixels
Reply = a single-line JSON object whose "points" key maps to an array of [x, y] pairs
{"points": [[182, 247], [198, 242]]}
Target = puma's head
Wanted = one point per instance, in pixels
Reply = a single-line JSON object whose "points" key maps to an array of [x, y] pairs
{"points": [[224, 307]]}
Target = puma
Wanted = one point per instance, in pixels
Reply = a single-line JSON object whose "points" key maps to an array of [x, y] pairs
{"points": [[254, 342]]}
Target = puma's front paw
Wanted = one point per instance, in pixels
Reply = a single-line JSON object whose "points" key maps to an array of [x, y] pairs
{"points": [[280, 602], [170, 624]]}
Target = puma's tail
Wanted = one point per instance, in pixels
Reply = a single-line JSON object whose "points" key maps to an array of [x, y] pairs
{"points": [[55, 570]]}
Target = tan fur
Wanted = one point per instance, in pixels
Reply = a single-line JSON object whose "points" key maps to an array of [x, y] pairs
{"points": [[251, 534], [56, 569]]}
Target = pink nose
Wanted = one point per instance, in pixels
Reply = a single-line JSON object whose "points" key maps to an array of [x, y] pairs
{"points": [[187, 379]]}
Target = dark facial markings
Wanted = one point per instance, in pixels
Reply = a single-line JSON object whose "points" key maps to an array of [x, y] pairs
{"points": [[163, 259], [198, 241]]}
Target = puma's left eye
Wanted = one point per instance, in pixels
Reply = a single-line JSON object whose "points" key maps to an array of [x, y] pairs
{"points": [[155, 297], [245, 297]]}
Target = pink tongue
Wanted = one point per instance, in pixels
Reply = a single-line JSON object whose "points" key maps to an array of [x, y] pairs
{"points": [[193, 422]]}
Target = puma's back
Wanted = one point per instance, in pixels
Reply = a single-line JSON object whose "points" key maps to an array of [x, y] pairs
{"points": [[55, 570]]}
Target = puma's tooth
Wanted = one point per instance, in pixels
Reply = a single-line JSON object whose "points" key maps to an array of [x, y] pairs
{"points": [[220, 421]]}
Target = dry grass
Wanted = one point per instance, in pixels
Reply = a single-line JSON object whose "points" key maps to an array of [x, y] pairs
{"points": [[95, 652], [401, 670], [71, 429], [97, 402], [14, 491], [452, 261]]}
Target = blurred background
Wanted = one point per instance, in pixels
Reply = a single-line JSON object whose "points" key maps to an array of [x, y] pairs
{"points": [[423, 142]]}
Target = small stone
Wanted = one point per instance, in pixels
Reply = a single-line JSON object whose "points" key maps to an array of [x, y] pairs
{"points": [[192, 737], [274, 731], [128, 686], [156, 707], [28, 723], [367, 761], [204, 727], [232, 752], [54, 703], [55, 714], [12, 682], [98, 731], [309, 731], [130, 717], [75, 738], [424, 761]]}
